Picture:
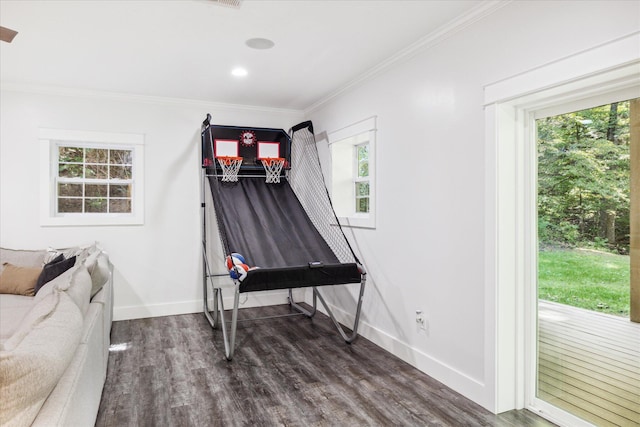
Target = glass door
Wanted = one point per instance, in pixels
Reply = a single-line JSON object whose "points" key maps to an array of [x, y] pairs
{"points": [[588, 291]]}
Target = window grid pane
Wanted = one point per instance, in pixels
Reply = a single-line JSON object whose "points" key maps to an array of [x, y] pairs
{"points": [[94, 180], [362, 188], [95, 205], [362, 204], [69, 205], [362, 196], [362, 156], [97, 156]]}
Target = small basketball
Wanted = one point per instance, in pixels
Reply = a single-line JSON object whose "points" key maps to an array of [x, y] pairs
{"points": [[234, 274], [234, 259], [239, 272]]}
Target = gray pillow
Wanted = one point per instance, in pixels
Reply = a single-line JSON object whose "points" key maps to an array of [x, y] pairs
{"points": [[53, 269]]}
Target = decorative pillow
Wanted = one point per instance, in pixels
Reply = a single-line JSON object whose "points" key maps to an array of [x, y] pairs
{"points": [[31, 367], [22, 257], [53, 269], [19, 280], [81, 252], [59, 258]]}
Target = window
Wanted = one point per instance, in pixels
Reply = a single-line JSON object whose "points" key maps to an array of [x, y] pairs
{"points": [[93, 178], [361, 179], [353, 173]]}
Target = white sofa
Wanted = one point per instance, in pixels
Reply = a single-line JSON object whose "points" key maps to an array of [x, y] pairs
{"points": [[54, 346]]}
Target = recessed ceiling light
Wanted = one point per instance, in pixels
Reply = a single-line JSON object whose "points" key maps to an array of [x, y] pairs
{"points": [[259, 43], [239, 72]]}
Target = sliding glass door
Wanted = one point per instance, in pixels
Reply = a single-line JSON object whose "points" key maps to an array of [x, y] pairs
{"points": [[588, 290]]}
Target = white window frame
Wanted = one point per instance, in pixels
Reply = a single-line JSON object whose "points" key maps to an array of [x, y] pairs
{"points": [[343, 145], [51, 139]]}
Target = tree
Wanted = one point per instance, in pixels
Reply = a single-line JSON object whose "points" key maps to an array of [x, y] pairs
{"points": [[583, 177], [613, 122]]}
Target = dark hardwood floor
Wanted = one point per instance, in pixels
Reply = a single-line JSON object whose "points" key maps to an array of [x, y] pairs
{"points": [[170, 371]]}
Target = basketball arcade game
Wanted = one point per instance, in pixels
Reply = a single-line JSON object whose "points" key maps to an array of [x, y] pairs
{"points": [[274, 217]]}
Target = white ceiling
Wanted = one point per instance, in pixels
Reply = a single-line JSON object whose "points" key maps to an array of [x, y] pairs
{"points": [[187, 48]]}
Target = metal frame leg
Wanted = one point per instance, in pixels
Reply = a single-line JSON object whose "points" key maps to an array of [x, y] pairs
{"points": [[301, 309], [229, 337], [354, 334], [213, 319]]}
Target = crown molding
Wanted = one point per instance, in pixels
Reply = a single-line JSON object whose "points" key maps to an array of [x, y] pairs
{"points": [[623, 51], [118, 96], [484, 8]]}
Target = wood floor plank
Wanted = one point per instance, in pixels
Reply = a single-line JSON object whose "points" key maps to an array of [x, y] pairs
{"points": [[619, 408], [557, 399], [293, 371], [600, 345], [567, 355], [592, 379], [589, 364], [601, 324]]}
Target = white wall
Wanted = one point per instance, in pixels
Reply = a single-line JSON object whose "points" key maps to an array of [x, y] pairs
{"points": [[157, 265], [427, 251]]}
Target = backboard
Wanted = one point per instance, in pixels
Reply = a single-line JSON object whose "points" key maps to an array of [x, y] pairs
{"points": [[250, 143]]}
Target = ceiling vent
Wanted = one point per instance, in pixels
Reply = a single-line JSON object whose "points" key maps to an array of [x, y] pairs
{"points": [[228, 3]]}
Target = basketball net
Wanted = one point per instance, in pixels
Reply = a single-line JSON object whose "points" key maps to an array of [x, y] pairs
{"points": [[230, 167], [273, 167]]}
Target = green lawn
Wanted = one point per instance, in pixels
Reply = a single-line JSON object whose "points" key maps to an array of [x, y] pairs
{"points": [[597, 281]]}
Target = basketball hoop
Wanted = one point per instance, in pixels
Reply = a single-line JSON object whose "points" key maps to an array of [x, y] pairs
{"points": [[273, 167], [230, 167]]}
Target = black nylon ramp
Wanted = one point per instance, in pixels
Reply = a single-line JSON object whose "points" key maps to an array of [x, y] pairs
{"points": [[268, 226], [266, 223]]}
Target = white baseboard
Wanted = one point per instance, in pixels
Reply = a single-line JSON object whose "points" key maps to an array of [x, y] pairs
{"points": [[449, 376], [254, 299]]}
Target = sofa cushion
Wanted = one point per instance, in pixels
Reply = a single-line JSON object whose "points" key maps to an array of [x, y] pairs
{"points": [[53, 269], [24, 258], [76, 282], [35, 357], [39, 311], [19, 280], [79, 288], [98, 266], [13, 308]]}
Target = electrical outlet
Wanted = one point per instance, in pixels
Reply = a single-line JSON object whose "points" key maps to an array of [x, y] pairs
{"points": [[422, 324], [421, 321]]}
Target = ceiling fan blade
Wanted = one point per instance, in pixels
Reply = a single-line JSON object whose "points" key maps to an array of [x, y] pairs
{"points": [[6, 34]]}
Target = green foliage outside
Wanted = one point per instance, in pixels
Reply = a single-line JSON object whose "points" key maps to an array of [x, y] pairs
{"points": [[583, 178], [583, 203], [593, 280]]}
